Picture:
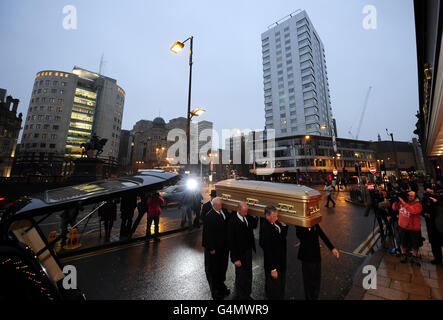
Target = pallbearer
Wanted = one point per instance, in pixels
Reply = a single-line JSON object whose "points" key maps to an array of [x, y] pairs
{"points": [[309, 254], [214, 240], [241, 243], [273, 242]]}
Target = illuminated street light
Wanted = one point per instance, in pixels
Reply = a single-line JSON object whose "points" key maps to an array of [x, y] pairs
{"points": [[197, 112], [177, 47]]}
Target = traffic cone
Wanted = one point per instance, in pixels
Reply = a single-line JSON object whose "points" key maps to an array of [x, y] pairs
{"points": [[73, 240]]}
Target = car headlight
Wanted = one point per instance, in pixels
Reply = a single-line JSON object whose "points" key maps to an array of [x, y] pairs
{"points": [[191, 184]]}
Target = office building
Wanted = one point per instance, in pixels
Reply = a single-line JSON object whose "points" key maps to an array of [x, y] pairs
{"points": [[65, 111], [151, 144], [295, 78]]}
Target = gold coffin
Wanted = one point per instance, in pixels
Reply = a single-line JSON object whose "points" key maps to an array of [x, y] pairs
{"points": [[297, 205]]}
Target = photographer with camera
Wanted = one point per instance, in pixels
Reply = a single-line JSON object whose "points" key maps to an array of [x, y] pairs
{"points": [[409, 225], [382, 214], [431, 208]]}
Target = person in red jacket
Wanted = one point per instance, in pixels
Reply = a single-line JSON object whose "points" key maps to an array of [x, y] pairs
{"points": [[154, 203], [409, 225]]}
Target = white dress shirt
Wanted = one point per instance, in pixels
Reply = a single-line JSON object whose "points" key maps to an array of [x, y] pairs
{"points": [[243, 219]]}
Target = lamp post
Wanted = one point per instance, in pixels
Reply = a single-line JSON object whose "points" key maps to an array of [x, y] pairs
{"points": [[307, 137], [176, 48], [395, 153], [324, 127]]}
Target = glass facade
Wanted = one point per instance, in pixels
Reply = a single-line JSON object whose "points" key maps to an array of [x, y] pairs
{"points": [[82, 118]]}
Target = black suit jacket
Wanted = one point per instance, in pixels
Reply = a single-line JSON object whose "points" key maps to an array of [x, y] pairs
{"points": [[240, 237], [273, 244], [207, 206], [309, 243], [214, 236]]}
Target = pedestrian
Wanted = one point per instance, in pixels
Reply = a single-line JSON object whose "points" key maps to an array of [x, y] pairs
{"points": [[207, 206], [196, 207], [215, 242], [187, 203], [329, 189], [409, 226], [344, 184], [431, 208], [272, 240], [241, 244], [310, 256], [154, 211], [108, 214], [127, 207]]}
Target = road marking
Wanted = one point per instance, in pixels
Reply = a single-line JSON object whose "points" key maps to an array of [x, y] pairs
{"points": [[370, 236], [352, 254], [120, 247], [371, 244]]}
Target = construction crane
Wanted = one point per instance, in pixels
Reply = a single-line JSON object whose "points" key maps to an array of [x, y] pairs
{"points": [[365, 104]]}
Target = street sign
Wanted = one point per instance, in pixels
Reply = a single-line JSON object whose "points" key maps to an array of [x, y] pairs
{"points": [[371, 186], [372, 170], [334, 172]]}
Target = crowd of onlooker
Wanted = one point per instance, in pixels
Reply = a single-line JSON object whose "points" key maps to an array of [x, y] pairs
{"points": [[399, 208]]}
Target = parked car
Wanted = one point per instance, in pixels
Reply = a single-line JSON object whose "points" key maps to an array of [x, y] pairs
{"points": [[173, 194]]}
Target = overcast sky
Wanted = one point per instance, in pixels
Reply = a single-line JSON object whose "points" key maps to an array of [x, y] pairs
{"points": [[135, 37]]}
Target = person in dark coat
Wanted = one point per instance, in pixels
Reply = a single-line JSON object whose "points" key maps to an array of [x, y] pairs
{"points": [[207, 206], [430, 206], [214, 240], [309, 254], [154, 203], [127, 207], [187, 203], [108, 214], [272, 240], [196, 207], [241, 244]]}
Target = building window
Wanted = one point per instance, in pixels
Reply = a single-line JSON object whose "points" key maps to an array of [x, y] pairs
{"points": [[59, 109], [55, 127], [52, 146], [53, 136], [43, 136]]}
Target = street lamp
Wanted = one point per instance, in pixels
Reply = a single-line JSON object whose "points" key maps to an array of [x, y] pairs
{"points": [[176, 48], [307, 137]]}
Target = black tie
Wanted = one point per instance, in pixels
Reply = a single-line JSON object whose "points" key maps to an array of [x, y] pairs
{"points": [[245, 222]]}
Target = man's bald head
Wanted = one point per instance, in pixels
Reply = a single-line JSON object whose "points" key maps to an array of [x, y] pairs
{"points": [[217, 203]]}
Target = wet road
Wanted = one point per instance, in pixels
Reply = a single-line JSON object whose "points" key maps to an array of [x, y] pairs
{"points": [[174, 268]]}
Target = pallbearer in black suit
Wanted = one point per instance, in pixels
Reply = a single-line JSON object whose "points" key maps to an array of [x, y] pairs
{"points": [[241, 243], [214, 240], [273, 242], [309, 254], [207, 206]]}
